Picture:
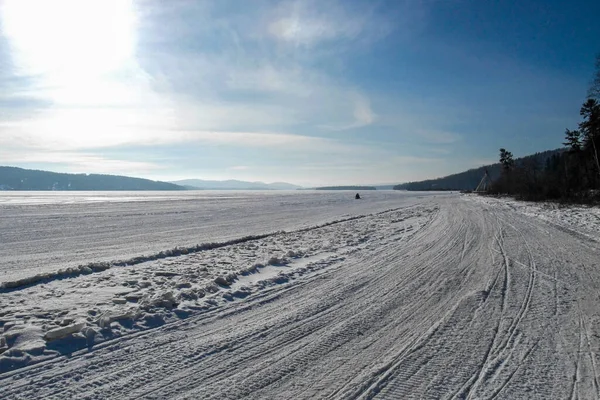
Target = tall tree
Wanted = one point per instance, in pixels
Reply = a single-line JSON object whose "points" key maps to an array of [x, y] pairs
{"points": [[573, 140], [507, 160], [590, 127]]}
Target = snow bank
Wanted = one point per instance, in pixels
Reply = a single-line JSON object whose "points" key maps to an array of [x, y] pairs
{"points": [[175, 252]]}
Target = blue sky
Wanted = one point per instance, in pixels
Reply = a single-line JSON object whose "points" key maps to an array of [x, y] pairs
{"points": [[306, 91]]}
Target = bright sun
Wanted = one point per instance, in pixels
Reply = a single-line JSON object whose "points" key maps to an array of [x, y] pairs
{"points": [[69, 43]]}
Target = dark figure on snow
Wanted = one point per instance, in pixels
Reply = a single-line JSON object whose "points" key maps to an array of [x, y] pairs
{"points": [[357, 197]]}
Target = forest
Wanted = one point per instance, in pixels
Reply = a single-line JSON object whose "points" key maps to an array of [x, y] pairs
{"points": [[572, 175], [468, 180]]}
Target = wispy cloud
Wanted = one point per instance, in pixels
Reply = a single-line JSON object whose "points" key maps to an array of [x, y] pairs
{"points": [[357, 114], [60, 131], [279, 86], [311, 23], [78, 162]]}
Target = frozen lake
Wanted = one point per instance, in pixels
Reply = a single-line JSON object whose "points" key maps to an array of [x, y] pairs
{"points": [[396, 296], [47, 231]]}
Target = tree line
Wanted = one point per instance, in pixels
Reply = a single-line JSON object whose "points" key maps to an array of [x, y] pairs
{"points": [[572, 175], [468, 180]]}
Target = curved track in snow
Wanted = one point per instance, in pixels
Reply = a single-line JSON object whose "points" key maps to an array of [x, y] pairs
{"points": [[479, 303]]}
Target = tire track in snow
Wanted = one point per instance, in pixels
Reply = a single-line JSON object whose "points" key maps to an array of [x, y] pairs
{"points": [[590, 353], [512, 374], [380, 278], [502, 352], [576, 377], [466, 391], [396, 382], [194, 360]]}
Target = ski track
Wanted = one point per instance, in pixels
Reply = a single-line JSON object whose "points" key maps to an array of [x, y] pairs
{"points": [[446, 298]]}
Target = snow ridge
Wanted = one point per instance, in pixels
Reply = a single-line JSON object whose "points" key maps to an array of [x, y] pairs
{"points": [[101, 266]]}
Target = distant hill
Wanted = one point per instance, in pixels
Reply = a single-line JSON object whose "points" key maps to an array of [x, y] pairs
{"points": [[12, 178], [384, 187], [346, 188], [233, 184], [469, 180]]}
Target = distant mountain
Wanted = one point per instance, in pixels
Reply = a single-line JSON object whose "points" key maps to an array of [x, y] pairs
{"points": [[12, 178], [469, 180], [233, 184], [346, 188]]}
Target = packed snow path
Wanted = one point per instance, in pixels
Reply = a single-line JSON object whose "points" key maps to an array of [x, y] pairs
{"points": [[475, 302]]}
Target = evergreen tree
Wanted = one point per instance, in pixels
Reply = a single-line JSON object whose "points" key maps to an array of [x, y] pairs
{"points": [[573, 140], [590, 127], [594, 91], [507, 160]]}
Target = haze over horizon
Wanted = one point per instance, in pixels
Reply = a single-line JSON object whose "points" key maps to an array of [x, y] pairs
{"points": [[307, 92]]}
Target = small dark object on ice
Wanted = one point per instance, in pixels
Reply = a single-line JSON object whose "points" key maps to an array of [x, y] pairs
{"points": [[357, 197]]}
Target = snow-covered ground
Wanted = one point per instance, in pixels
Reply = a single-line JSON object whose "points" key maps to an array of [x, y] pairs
{"points": [[401, 296], [45, 232], [583, 220]]}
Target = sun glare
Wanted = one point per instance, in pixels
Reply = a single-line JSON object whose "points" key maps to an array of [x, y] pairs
{"points": [[69, 42]]}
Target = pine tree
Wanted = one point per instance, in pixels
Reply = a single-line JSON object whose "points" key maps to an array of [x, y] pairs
{"points": [[573, 140], [507, 160], [590, 128]]}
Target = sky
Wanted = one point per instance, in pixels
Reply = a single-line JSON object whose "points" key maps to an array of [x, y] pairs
{"points": [[311, 92]]}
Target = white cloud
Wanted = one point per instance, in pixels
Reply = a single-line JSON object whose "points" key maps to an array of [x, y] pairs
{"points": [[362, 111], [240, 95], [268, 78], [192, 114], [70, 129], [257, 139], [77, 162], [357, 113], [306, 30], [311, 23], [82, 129]]}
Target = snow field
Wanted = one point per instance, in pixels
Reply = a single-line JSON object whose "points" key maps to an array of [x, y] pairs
{"points": [[458, 297], [62, 313], [43, 233]]}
